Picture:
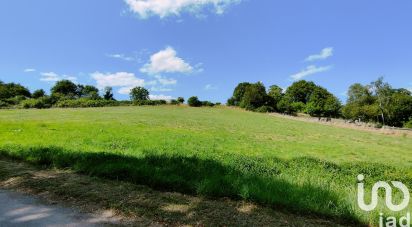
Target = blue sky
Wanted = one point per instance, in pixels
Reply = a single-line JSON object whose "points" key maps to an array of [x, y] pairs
{"points": [[205, 47]]}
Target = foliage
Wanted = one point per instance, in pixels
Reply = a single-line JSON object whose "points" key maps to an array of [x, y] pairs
{"points": [[139, 94], [149, 102], [85, 102], [181, 100], [108, 93], [65, 88], [254, 96], [38, 94], [238, 94], [174, 102], [194, 101], [323, 104], [11, 90], [300, 91], [40, 103], [87, 91], [264, 109]]}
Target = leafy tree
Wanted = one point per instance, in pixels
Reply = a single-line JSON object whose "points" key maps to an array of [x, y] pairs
{"points": [[38, 93], [11, 90], [323, 104], [399, 108], [275, 94], [108, 93], [383, 92], [87, 91], [361, 104], [65, 88], [238, 94], [254, 96], [194, 101], [181, 100], [301, 91], [139, 94], [285, 105]]}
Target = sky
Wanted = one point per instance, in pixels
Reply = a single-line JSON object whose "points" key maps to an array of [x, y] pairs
{"points": [[205, 48]]}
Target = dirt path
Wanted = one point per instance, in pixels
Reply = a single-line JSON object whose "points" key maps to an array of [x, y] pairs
{"points": [[17, 209], [130, 204]]}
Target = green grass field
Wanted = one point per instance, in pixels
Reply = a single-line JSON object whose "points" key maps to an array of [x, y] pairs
{"points": [[298, 166]]}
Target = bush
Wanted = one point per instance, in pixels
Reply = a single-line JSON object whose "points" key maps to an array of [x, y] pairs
{"points": [[264, 109], [40, 103], [194, 102], [408, 124], [207, 103], [174, 102], [3, 104], [83, 102], [181, 99], [15, 100], [149, 102]]}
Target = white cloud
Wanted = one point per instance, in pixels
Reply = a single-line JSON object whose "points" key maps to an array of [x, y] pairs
{"points": [[29, 70], [126, 81], [160, 89], [160, 97], [166, 61], [53, 77], [312, 69], [165, 81], [164, 8], [121, 56], [209, 87], [324, 54]]}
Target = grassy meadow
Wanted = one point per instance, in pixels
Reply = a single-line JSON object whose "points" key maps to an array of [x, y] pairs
{"points": [[302, 167]]}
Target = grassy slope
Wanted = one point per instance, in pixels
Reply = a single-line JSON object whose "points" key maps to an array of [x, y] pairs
{"points": [[302, 166]]}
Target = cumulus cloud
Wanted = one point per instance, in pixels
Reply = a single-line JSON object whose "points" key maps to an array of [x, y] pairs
{"points": [[165, 81], [29, 70], [124, 80], [164, 8], [310, 70], [166, 61], [160, 97], [324, 54], [53, 77]]}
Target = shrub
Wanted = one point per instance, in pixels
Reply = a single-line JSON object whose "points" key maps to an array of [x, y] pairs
{"points": [[15, 100], [174, 102], [83, 102], [408, 124], [264, 109], [40, 103], [3, 104], [207, 103], [181, 99], [194, 102], [149, 102], [38, 94]]}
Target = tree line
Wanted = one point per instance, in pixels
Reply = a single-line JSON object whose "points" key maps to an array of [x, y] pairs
{"points": [[377, 102], [65, 93]]}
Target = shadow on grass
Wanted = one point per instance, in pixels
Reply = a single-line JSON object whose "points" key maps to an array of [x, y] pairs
{"points": [[197, 176]]}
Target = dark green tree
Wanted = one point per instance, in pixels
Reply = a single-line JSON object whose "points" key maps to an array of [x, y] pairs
{"points": [[194, 101], [139, 94], [108, 93], [38, 93], [301, 91], [64, 88], [254, 96], [181, 100]]}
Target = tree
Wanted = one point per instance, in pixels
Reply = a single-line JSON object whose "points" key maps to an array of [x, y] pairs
{"points": [[87, 91], [11, 90], [181, 100], [361, 104], [300, 91], [38, 93], [108, 93], [65, 88], [194, 101], [285, 105], [238, 94], [383, 92], [254, 96], [139, 94], [275, 94], [399, 108], [323, 104]]}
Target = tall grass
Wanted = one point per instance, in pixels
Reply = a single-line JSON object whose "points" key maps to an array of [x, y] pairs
{"points": [[298, 166]]}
